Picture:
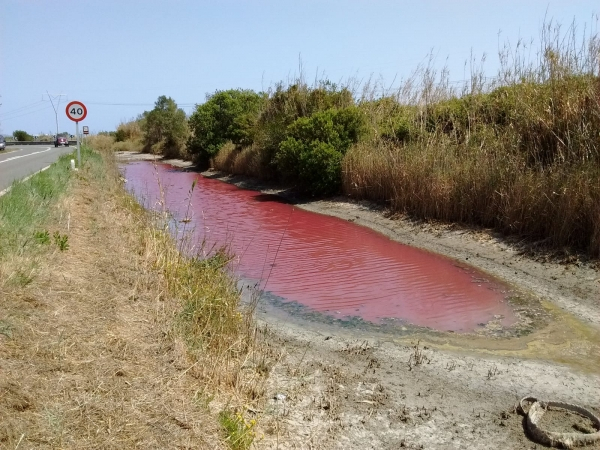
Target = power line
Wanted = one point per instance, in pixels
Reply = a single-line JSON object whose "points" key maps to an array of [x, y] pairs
{"points": [[179, 105], [26, 113], [32, 105]]}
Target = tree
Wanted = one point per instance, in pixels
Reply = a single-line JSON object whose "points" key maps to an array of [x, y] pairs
{"points": [[165, 128], [225, 116], [21, 135]]}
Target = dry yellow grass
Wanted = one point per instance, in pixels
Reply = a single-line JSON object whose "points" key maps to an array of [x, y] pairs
{"points": [[100, 142], [91, 352], [245, 161]]}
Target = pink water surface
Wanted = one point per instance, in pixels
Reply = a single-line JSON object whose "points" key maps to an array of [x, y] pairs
{"points": [[327, 264]]}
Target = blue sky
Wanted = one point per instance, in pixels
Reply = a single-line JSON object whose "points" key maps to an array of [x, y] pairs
{"points": [[118, 56]]}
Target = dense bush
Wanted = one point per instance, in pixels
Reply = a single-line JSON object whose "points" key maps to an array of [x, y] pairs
{"points": [[225, 116], [312, 153], [22, 136], [557, 120], [129, 136], [286, 105]]}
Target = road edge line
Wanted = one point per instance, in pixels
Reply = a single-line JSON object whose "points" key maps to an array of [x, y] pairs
{"points": [[5, 191]]}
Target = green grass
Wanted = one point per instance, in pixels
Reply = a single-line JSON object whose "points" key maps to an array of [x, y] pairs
{"points": [[25, 210]]}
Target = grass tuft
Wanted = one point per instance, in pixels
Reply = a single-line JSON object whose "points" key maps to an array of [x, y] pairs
{"points": [[239, 432]]}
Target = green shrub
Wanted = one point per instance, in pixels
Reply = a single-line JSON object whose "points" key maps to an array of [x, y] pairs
{"points": [[286, 105], [311, 155], [225, 116], [450, 116], [22, 136], [315, 165]]}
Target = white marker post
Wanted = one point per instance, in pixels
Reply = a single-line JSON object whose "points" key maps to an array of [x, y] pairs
{"points": [[76, 111]]}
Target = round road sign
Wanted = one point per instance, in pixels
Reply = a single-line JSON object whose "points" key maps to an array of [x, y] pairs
{"points": [[76, 111]]}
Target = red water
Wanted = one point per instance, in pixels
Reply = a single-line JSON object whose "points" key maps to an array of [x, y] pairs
{"points": [[325, 263]]}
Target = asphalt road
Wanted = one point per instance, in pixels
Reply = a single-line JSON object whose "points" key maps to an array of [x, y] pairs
{"points": [[17, 163]]}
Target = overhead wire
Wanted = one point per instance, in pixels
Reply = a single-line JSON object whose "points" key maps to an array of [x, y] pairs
{"points": [[23, 113], [21, 108], [180, 105]]}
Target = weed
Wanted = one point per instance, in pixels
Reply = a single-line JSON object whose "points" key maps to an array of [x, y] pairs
{"points": [[42, 237], [100, 142], [263, 367], [153, 273], [129, 131], [6, 328], [55, 420], [357, 348], [61, 241], [417, 357], [239, 433], [492, 372], [219, 331], [203, 400], [450, 366]]}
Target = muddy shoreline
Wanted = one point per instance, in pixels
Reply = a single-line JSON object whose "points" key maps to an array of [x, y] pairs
{"points": [[331, 386], [572, 283]]}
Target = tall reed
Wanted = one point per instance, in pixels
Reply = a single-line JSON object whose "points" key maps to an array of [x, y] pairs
{"points": [[519, 152]]}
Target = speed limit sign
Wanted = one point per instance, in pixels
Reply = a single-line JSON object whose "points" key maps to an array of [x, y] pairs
{"points": [[76, 111]]}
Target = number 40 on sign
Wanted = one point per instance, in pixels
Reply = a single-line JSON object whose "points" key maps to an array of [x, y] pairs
{"points": [[76, 111]]}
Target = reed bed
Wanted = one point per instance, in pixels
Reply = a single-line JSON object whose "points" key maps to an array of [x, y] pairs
{"points": [[519, 153]]}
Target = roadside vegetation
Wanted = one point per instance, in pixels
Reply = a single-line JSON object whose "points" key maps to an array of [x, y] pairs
{"points": [[518, 152], [25, 209], [22, 136], [109, 336]]}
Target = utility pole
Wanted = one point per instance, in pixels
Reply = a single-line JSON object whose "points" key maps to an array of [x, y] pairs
{"points": [[54, 107]]}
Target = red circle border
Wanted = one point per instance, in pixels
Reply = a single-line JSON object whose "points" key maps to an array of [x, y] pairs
{"points": [[76, 103]]}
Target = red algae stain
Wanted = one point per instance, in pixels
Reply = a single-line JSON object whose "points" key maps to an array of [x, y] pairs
{"points": [[325, 263]]}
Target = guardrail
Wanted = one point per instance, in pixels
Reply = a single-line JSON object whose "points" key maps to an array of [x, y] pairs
{"points": [[71, 142]]}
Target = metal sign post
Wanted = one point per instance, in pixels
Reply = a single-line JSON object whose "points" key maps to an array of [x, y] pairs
{"points": [[78, 151], [76, 111]]}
